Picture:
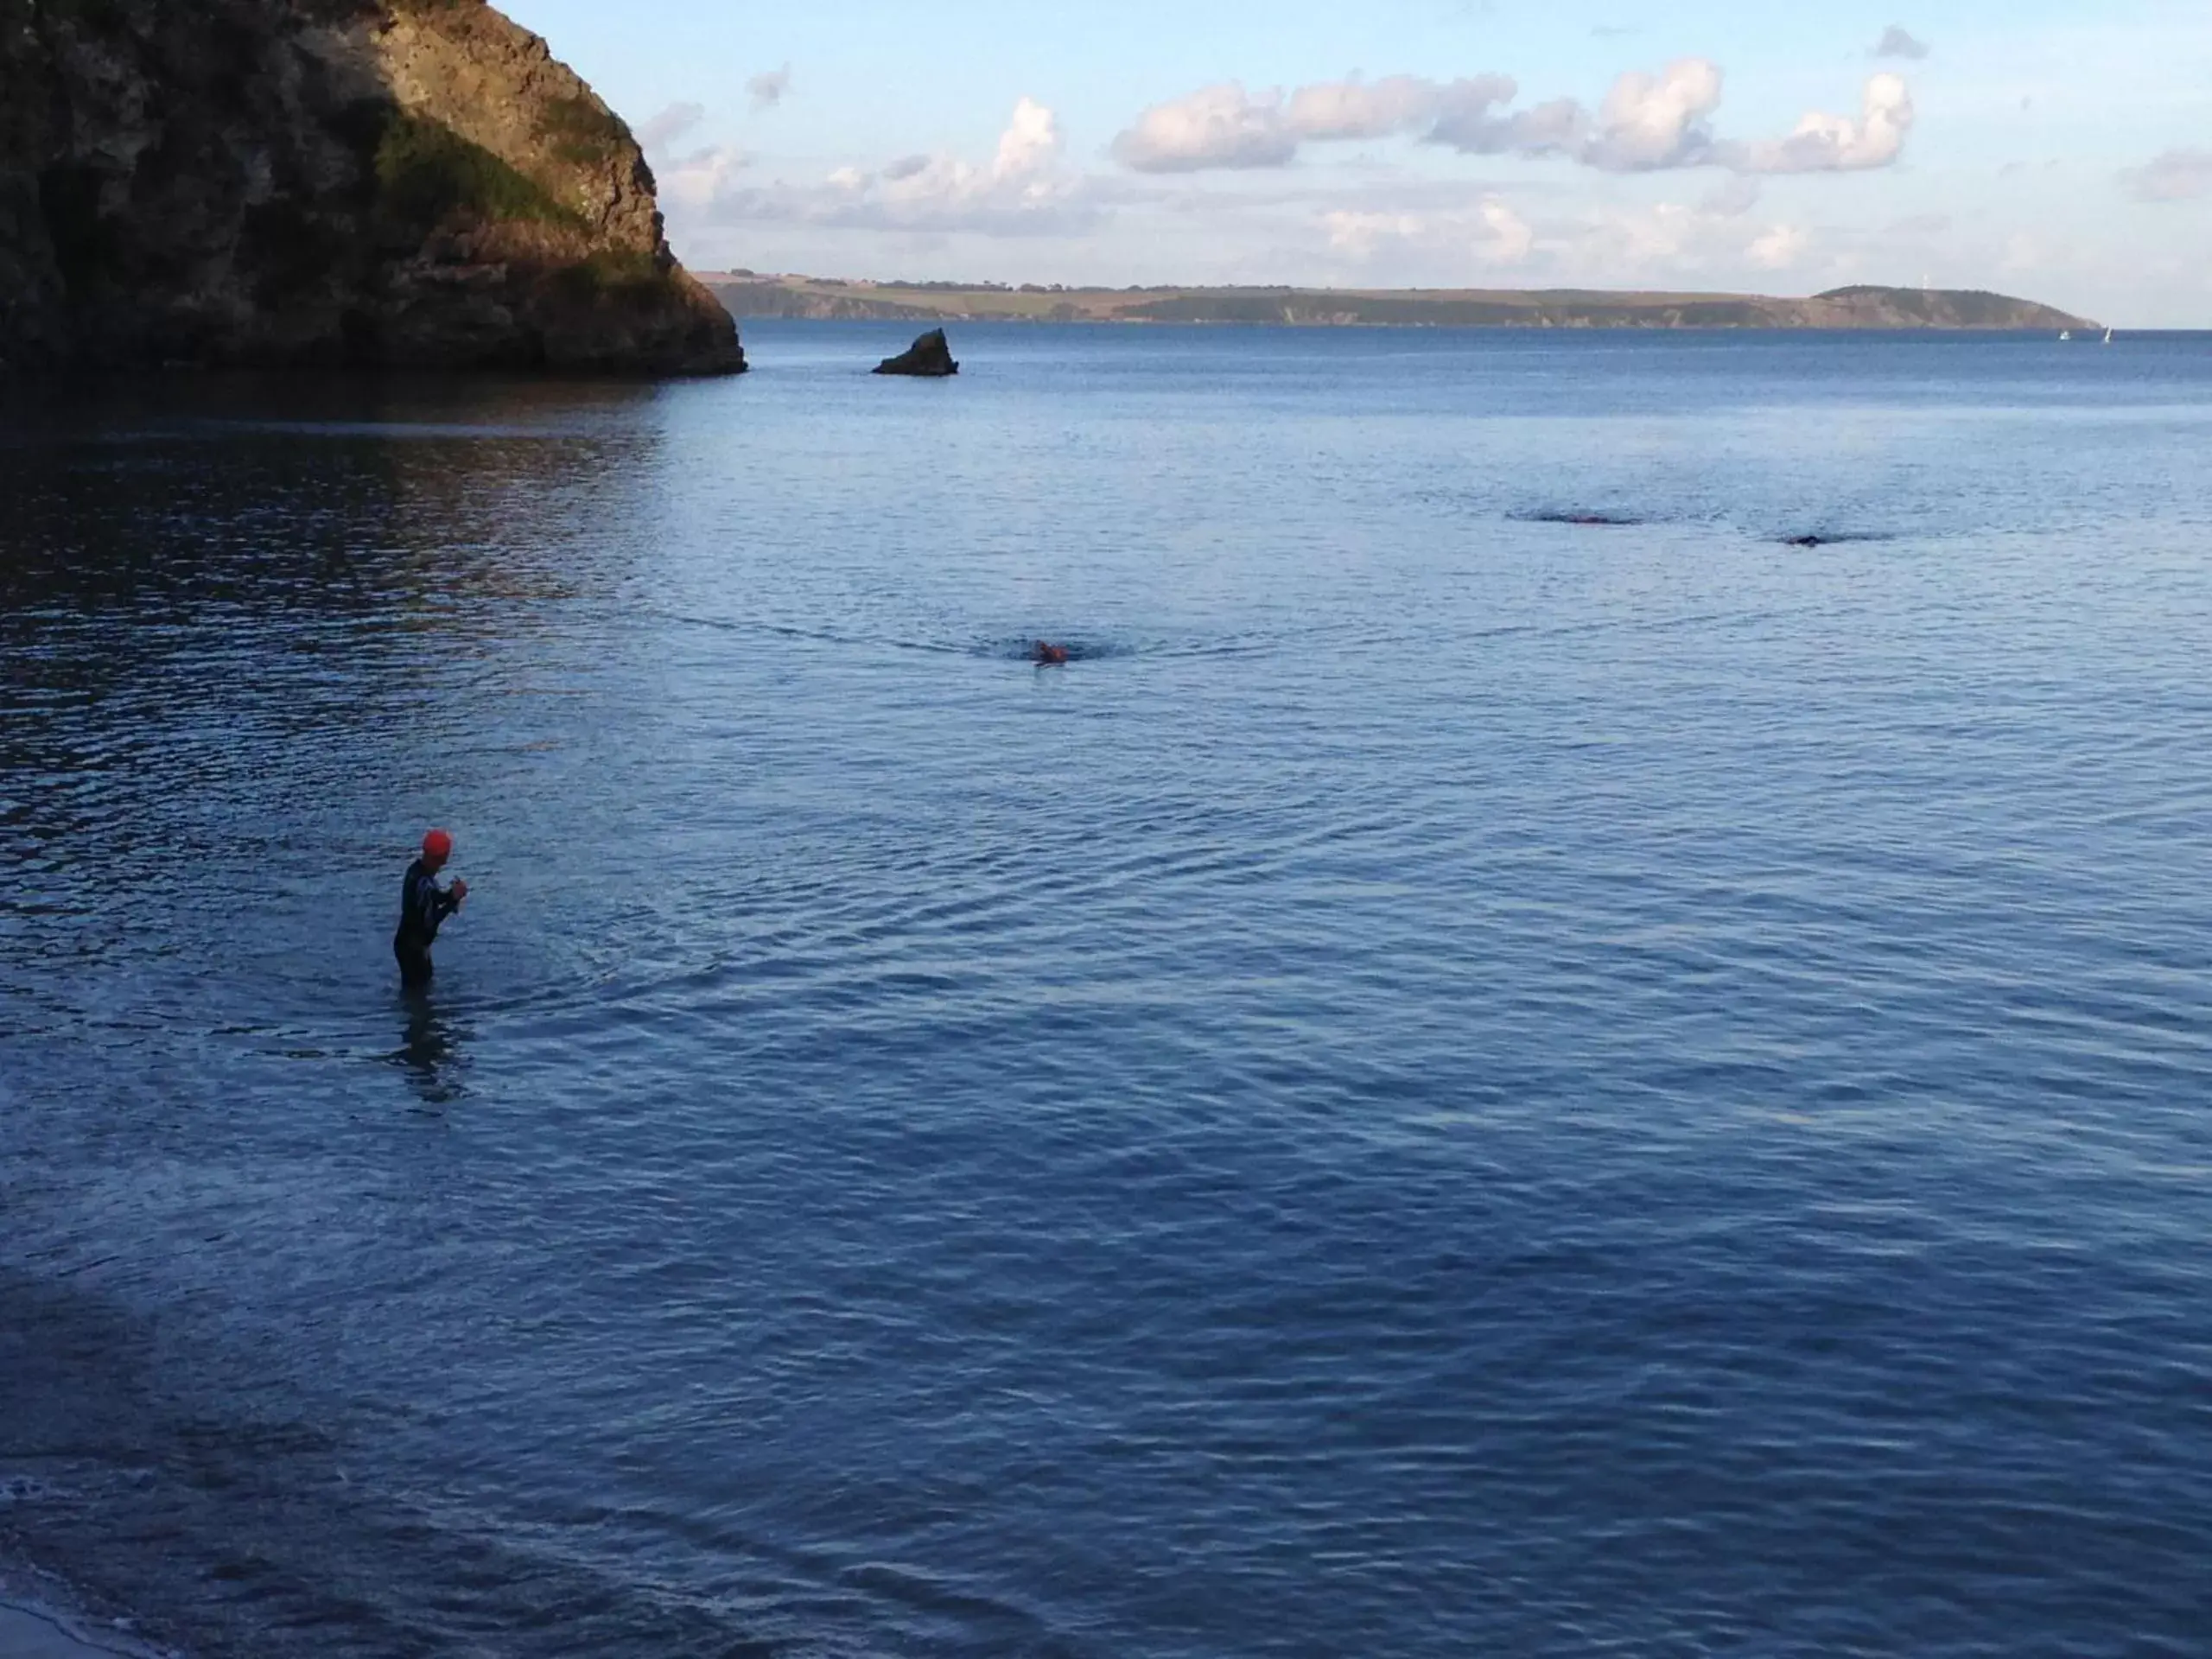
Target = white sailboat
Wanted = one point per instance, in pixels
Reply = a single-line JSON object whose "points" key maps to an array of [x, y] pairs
{"points": [[2108, 336], [2066, 334]]}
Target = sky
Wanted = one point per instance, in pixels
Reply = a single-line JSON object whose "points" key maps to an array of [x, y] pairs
{"points": [[2062, 152]]}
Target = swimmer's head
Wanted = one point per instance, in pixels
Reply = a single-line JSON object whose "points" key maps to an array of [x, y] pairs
{"points": [[437, 846]]}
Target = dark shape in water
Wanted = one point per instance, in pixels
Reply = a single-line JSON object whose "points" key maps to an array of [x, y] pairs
{"points": [[1806, 541], [1049, 656], [431, 1051], [929, 356], [1607, 518]]}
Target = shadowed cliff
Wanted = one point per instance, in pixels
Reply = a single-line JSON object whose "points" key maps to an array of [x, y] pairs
{"points": [[410, 183]]}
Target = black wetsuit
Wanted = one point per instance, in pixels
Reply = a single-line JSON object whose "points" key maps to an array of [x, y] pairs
{"points": [[422, 905]]}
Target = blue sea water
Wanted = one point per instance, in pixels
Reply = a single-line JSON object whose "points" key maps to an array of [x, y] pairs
{"points": [[1459, 1082]]}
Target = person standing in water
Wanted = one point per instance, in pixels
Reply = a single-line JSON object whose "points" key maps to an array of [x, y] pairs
{"points": [[422, 905]]}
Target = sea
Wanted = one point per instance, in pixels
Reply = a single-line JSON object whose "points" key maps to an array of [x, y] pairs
{"points": [[1579, 1027]]}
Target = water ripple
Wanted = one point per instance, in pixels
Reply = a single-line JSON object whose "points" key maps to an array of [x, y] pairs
{"points": [[1456, 1087]]}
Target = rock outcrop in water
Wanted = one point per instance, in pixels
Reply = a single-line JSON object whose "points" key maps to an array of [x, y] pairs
{"points": [[373, 182], [929, 356]]}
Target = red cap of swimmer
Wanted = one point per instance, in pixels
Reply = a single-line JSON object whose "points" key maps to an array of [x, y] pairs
{"points": [[437, 844]]}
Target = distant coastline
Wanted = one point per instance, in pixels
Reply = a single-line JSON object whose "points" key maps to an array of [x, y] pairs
{"points": [[749, 294]]}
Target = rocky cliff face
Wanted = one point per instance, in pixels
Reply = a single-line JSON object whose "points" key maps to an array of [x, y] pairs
{"points": [[369, 182]]}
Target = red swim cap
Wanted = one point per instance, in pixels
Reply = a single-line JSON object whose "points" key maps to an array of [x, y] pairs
{"points": [[437, 844]]}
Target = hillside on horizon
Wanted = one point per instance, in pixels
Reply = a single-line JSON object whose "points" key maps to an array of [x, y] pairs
{"points": [[749, 294]]}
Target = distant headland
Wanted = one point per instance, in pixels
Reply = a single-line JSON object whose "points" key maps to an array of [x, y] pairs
{"points": [[748, 294]]}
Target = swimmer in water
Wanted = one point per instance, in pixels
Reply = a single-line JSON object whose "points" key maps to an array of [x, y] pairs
{"points": [[422, 905], [1049, 656]]}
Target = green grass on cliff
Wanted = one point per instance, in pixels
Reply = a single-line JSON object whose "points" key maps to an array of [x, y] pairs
{"points": [[426, 173], [582, 132], [622, 277]]}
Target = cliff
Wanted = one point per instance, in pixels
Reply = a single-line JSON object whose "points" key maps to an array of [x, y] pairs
{"points": [[368, 182], [1869, 307], [749, 295]]}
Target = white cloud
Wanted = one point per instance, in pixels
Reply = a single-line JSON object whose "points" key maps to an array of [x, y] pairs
{"points": [[1465, 122], [670, 124], [1509, 237], [696, 182], [1836, 144], [1644, 239], [1647, 122], [2175, 175], [1358, 109], [1354, 108], [1360, 233], [1898, 43], [769, 89], [692, 181], [1732, 198], [1780, 247], [1024, 191], [1669, 244], [1031, 144], [1225, 126], [1215, 126], [1491, 233]]}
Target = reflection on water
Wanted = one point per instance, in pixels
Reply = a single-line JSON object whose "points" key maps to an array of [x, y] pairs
{"points": [[1457, 1084], [431, 1050]]}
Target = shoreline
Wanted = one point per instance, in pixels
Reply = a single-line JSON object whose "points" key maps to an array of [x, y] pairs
{"points": [[751, 296], [43, 1617], [71, 1387]]}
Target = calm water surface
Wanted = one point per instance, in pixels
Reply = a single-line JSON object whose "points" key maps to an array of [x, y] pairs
{"points": [[1458, 1084]]}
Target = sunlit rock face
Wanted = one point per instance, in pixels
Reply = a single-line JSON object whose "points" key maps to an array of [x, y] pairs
{"points": [[414, 184]]}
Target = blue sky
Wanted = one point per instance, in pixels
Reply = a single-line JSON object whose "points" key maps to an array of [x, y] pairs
{"points": [[2059, 151]]}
